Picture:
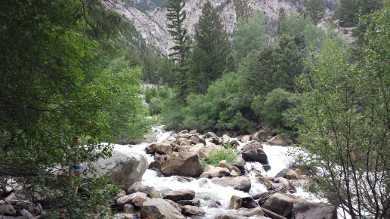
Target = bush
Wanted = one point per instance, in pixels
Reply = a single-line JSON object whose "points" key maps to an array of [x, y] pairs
{"points": [[229, 154], [150, 92]]}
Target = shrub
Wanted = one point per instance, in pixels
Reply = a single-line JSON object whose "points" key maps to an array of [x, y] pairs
{"points": [[229, 154]]}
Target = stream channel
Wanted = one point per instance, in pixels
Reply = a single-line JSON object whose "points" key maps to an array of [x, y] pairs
{"points": [[278, 159]]}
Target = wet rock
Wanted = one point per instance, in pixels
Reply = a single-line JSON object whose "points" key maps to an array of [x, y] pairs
{"points": [[265, 181], [227, 216], [177, 195], [234, 173], [242, 183], [216, 171], [225, 164], [7, 209], [193, 202], [125, 166], [174, 204], [303, 209], [252, 212], [235, 202], [280, 204], [182, 164], [285, 184], [261, 135], [249, 202], [239, 162], [255, 155], [189, 210], [205, 175], [159, 208], [251, 145], [211, 202], [151, 149], [235, 143]]}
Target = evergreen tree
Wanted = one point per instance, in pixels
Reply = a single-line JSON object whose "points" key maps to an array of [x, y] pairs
{"points": [[210, 50], [243, 11], [180, 51], [315, 9]]}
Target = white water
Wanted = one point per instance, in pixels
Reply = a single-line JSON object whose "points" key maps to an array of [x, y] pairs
{"points": [[277, 157]]}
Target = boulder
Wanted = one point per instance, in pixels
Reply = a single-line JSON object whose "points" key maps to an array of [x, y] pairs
{"points": [[285, 184], [227, 216], [280, 204], [205, 152], [225, 164], [255, 155], [137, 187], [151, 149], [189, 210], [303, 209], [242, 183], [164, 148], [261, 135], [181, 194], [216, 171], [239, 162], [279, 140], [182, 148], [235, 202], [245, 138], [182, 164], [252, 212], [7, 209], [251, 145], [225, 139], [159, 208], [135, 199], [149, 138], [126, 166], [196, 148], [174, 204], [291, 174], [193, 202], [249, 202], [196, 140], [128, 208], [210, 202]]}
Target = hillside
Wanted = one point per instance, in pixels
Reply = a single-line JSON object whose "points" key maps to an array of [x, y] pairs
{"points": [[149, 18]]}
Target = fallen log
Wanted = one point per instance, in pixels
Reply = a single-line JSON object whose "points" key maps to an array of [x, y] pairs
{"points": [[273, 214]]}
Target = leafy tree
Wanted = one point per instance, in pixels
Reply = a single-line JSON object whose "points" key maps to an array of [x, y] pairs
{"points": [[180, 51], [55, 85], [315, 9], [211, 48], [345, 122], [349, 11], [304, 33], [249, 36]]}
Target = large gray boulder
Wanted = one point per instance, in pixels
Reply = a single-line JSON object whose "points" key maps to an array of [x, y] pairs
{"points": [[216, 171], [303, 209], [251, 145], [255, 155], [159, 208], [280, 204], [242, 183], [125, 166], [185, 163]]}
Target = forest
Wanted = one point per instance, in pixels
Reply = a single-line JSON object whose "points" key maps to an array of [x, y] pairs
{"points": [[75, 68]]}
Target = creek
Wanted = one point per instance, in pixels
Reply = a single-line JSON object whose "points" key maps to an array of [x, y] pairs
{"points": [[278, 159]]}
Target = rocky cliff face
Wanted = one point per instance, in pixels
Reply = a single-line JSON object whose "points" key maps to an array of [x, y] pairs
{"points": [[150, 21]]}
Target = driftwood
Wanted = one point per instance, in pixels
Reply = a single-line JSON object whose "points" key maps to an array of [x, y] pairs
{"points": [[273, 214]]}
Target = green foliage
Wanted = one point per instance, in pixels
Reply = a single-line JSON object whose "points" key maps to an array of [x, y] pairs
{"points": [[157, 103], [349, 11], [211, 49], [345, 122], [180, 51], [249, 36], [272, 67], [304, 33], [59, 80], [315, 9], [275, 110], [222, 107], [150, 92], [229, 154]]}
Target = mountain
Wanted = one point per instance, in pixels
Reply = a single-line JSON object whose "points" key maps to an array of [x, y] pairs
{"points": [[148, 16]]}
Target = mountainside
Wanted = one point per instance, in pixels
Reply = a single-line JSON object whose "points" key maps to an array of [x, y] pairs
{"points": [[148, 16]]}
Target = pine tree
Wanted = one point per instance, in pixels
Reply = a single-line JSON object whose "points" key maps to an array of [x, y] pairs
{"points": [[211, 48], [316, 9], [180, 51]]}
